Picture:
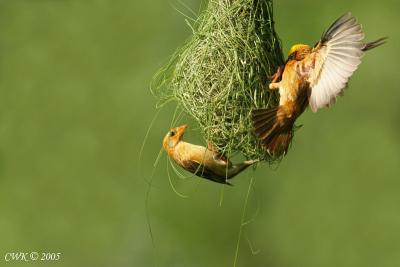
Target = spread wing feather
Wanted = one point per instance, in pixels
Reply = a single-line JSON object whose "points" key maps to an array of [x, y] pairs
{"points": [[337, 56]]}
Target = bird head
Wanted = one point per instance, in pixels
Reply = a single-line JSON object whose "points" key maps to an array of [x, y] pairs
{"points": [[173, 137], [299, 51]]}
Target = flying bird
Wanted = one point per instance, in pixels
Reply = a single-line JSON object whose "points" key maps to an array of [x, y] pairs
{"points": [[312, 77], [203, 162]]}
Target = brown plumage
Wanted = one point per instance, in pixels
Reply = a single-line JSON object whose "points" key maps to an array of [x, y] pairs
{"points": [[311, 77], [203, 162]]}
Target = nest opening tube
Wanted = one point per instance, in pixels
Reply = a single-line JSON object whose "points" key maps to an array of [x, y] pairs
{"points": [[222, 72]]}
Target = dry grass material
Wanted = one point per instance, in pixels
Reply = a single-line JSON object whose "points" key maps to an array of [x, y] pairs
{"points": [[222, 72]]}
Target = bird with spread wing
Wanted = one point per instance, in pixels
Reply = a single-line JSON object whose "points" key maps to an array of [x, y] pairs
{"points": [[312, 77], [202, 161]]}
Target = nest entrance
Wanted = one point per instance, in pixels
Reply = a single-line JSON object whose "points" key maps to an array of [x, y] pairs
{"points": [[222, 73]]}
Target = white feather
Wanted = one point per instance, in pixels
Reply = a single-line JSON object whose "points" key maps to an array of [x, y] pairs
{"points": [[340, 57]]}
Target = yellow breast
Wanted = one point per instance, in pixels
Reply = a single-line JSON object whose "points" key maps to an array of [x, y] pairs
{"points": [[290, 82]]}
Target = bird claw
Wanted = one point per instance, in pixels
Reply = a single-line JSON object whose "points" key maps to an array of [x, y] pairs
{"points": [[273, 86], [216, 153], [277, 75]]}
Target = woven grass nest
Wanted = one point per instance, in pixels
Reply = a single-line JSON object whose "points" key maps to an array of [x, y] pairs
{"points": [[222, 72]]}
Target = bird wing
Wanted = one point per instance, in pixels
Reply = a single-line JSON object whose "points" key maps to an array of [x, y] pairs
{"points": [[335, 57], [202, 171]]}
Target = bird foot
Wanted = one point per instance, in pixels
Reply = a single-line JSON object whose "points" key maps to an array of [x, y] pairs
{"points": [[273, 86], [277, 75], [216, 153]]}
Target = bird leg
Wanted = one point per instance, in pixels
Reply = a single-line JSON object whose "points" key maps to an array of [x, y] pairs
{"points": [[277, 75], [274, 85], [216, 153]]}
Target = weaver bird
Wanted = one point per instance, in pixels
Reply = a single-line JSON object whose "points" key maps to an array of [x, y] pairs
{"points": [[203, 162], [311, 77]]}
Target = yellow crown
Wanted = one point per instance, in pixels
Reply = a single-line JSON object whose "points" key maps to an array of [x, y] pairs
{"points": [[297, 47]]}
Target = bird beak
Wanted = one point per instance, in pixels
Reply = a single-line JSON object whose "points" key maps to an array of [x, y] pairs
{"points": [[181, 130]]}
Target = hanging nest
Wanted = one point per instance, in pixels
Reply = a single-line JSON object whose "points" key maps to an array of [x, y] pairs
{"points": [[222, 73]]}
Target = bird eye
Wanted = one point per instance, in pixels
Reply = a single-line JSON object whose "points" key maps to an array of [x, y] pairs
{"points": [[171, 133], [292, 56]]}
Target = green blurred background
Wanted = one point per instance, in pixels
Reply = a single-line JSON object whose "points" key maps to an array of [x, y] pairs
{"points": [[74, 110]]}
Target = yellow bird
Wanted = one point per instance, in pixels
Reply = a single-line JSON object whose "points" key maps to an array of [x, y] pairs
{"points": [[203, 162], [311, 77]]}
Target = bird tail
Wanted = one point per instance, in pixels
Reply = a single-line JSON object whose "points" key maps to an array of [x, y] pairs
{"points": [[274, 128], [372, 45], [238, 168]]}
